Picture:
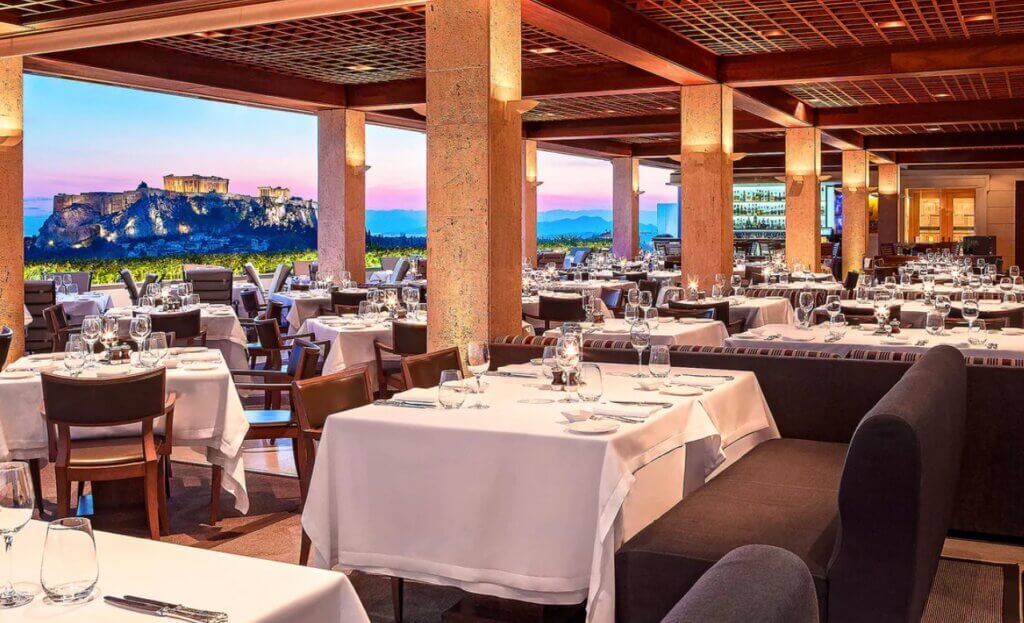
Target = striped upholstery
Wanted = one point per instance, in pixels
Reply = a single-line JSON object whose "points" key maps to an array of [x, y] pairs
{"points": [[538, 340], [752, 350], [883, 355], [607, 344]]}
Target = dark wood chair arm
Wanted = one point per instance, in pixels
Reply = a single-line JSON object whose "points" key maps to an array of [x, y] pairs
{"points": [[268, 387], [265, 374], [165, 448], [294, 336]]}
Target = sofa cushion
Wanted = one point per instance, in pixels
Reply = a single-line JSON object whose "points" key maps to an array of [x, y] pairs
{"points": [[784, 493]]}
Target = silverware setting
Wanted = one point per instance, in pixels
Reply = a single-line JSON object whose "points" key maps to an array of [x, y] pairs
{"points": [[515, 375], [642, 403], [164, 609], [921, 343], [618, 418], [706, 376], [706, 388], [410, 404]]}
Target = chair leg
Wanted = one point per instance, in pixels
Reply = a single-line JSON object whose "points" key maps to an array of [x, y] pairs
{"points": [[305, 465], [215, 483], [297, 456], [81, 489], [397, 596], [162, 482], [304, 548], [35, 471], [152, 484], [63, 493], [167, 475]]}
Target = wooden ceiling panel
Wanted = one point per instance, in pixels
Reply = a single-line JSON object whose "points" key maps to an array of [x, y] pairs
{"points": [[32, 8], [926, 129], [976, 86], [608, 106]]}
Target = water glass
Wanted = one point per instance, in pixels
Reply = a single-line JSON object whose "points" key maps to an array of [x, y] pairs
{"points": [[451, 391], [631, 313], [74, 355], [806, 301], [69, 570], [478, 361], [92, 330], [548, 363], [837, 326], [365, 312], [154, 349], [934, 323], [640, 338], [833, 305], [716, 292], [646, 300], [970, 312], [591, 382], [977, 335], [658, 364], [633, 296], [17, 501]]}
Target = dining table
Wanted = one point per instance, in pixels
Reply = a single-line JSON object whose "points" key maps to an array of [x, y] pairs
{"points": [[915, 312], [224, 330], [208, 413], [665, 331], [351, 339], [1006, 343], [78, 306], [513, 501], [755, 311], [247, 589]]}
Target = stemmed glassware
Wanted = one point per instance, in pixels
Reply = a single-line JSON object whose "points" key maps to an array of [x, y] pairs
{"points": [[882, 311], [640, 338], [410, 296], [139, 329], [633, 297], [17, 501], [970, 312], [646, 300], [567, 356], [92, 330], [591, 382], [478, 360], [110, 329], [806, 301], [833, 305]]}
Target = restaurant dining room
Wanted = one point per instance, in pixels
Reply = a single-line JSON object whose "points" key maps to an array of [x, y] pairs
{"points": [[787, 406]]}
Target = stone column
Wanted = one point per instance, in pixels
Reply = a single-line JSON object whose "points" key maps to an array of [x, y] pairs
{"points": [[12, 228], [625, 206], [706, 177], [888, 203], [530, 184], [803, 197], [341, 192], [474, 170], [855, 209]]}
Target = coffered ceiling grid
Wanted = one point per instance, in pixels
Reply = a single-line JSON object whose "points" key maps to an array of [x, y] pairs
{"points": [[977, 86], [28, 8], [608, 106]]}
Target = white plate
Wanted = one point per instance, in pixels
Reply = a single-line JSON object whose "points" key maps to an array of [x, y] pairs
{"points": [[1012, 331], [192, 349], [198, 366], [799, 338], [681, 390], [13, 375], [593, 427], [894, 341]]}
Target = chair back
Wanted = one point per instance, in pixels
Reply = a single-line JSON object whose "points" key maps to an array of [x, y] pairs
{"points": [[348, 298], [650, 285], [612, 298], [303, 359], [150, 279], [634, 276], [850, 283], [274, 311], [280, 276], [301, 268], [254, 279], [409, 338], [549, 257], [81, 278], [719, 310], [317, 398], [38, 296], [268, 333], [106, 402], [674, 312], [990, 323], [314, 270], [343, 310], [896, 494], [250, 301], [213, 285], [559, 309], [131, 285], [389, 263], [56, 320], [881, 272], [6, 339], [425, 370], [399, 272], [184, 325]]}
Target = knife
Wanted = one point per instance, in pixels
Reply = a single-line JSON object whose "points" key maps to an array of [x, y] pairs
{"points": [[642, 403], [707, 376], [509, 373], [213, 615], [158, 611], [400, 403]]}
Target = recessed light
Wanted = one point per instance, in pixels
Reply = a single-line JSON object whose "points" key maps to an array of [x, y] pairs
{"points": [[360, 67], [208, 35], [933, 129], [771, 33], [544, 50], [892, 23], [668, 107], [813, 100], [941, 95], [610, 111], [983, 17]]}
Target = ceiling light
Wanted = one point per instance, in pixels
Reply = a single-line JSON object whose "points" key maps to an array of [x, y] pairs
{"points": [[208, 35], [892, 23], [668, 107], [933, 129], [771, 33], [983, 17], [610, 111], [941, 95], [361, 68], [544, 50]]}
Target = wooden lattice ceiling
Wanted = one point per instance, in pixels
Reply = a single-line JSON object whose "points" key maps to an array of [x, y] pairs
{"points": [[604, 107], [927, 129], [30, 8], [359, 48], [977, 86], [732, 27]]}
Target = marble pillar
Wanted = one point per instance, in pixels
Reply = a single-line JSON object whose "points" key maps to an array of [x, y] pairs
{"points": [[12, 228], [474, 170], [625, 206], [530, 184], [803, 199], [888, 203], [341, 191], [706, 177], [855, 209]]}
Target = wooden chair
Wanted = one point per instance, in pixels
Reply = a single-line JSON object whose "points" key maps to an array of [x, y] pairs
{"points": [[665, 310], [314, 400], [278, 280], [612, 298], [213, 285], [131, 285], [407, 338], [990, 323], [250, 302], [558, 309], [850, 283], [38, 296], [650, 285], [59, 327], [87, 403], [272, 421], [272, 345], [425, 370], [719, 311], [187, 326], [6, 338], [350, 299], [634, 276]]}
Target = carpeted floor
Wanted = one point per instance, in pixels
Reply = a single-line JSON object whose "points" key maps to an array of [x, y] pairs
{"points": [[962, 591]]}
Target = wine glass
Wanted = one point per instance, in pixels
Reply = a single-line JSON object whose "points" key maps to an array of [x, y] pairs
{"points": [[640, 338], [646, 300], [139, 329], [69, 570], [548, 362], [567, 356], [1014, 272], [17, 501], [590, 385], [943, 305], [410, 296], [633, 296], [478, 360], [970, 312], [365, 312], [75, 355], [451, 391], [92, 330], [806, 302], [934, 323], [833, 305], [658, 364]]}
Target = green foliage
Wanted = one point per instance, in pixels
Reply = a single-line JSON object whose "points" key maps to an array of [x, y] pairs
{"points": [[564, 243]]}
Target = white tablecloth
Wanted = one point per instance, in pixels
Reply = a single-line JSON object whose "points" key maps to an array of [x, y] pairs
{"points": [[506, 501], [208, 414], [78, 306], [531, 306], [915, 312], [670, 332], [1009, 346], [757, 311], [250, 590], [301, 306], [223, 331]]}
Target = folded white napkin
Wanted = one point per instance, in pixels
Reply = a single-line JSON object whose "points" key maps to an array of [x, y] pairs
{"points": [[210, 355], [689, 379], [637, 412], [111, 371], [418, 394]]}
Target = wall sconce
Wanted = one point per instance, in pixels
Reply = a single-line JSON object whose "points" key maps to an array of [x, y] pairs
{"points": [[10, 137], [519, 106], [736, 157], [420, 109], [362, 168], [824, 178], [533, 183]]}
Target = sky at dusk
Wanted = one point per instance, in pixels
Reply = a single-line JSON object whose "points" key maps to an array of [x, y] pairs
{"points": [[84, 137]]}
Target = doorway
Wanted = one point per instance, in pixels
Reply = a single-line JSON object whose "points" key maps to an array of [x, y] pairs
{"points": [[939, 214]]}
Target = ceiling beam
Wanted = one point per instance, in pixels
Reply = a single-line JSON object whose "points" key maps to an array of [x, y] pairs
{"points": [[778, 162], [623, 127], [775, 105], [945, 140], [595, 148], [961, 156], [741, 145], [844, 140], [930, 113], [614, 30], [149, 67], [160, 21], [853, 63]]}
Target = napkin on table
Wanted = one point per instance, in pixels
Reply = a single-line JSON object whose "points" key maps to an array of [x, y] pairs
{"points": [[419, 394], [637, 412]]}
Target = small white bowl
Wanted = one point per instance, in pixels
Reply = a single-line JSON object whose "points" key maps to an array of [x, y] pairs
{"points": [[578, 415], [650, 384]]}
